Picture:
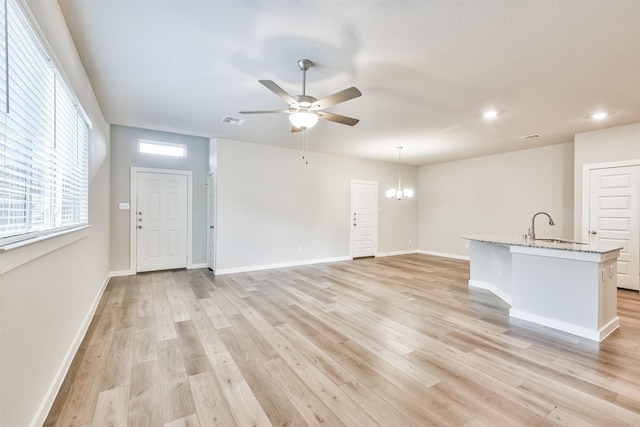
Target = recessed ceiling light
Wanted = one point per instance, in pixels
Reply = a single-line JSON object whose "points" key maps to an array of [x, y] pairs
{"points": [[490, 114], [599, 115]]}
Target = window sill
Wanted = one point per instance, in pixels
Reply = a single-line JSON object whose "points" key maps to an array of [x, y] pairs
{"points": [[16, 254]]}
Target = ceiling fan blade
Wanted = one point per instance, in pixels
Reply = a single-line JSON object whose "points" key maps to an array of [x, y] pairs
{"points": [[269, 84], [337, 118], [336, 98], [264, 112]]}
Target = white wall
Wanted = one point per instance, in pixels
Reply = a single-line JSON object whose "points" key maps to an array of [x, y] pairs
{"points": [[495, 194], [47, 303], [124, 156], [270, 203], [615, 144]]}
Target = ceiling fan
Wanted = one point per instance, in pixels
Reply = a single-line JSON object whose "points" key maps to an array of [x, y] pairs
{"points": [[305, 110]]}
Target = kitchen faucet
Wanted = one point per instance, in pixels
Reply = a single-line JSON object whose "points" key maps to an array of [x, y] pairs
{"points": [[533, 224]]}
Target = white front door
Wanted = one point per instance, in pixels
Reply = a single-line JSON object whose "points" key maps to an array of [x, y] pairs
{"points": [[614, 217], [161, 221], [364, 218], [211, 222]]}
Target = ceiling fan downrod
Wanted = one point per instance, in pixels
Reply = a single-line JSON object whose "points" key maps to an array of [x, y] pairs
{"points": [[304, 65]]}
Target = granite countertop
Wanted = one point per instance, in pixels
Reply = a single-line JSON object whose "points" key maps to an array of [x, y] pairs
{"points": [[565, 245]]}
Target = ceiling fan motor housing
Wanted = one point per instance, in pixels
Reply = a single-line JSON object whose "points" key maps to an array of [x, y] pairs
{"points": [[304, 64], [304, 102]]}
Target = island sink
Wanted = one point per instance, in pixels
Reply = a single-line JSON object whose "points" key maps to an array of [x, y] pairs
{"points": [[561, 241]]}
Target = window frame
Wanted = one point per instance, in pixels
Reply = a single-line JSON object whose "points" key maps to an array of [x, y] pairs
{"points": [[66, 182]]}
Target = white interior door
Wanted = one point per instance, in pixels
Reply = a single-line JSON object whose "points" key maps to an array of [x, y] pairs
{"points": [[161, 221], [211, 223], [614, 217], [364, 218]]}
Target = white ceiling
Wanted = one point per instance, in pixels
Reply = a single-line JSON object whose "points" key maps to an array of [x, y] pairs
{"points": [[427, 69]]}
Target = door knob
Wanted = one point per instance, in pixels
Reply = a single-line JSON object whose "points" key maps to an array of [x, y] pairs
{"points": [[594, 232], [140, 213], [139, 219], [140, 227], [354, 224]]}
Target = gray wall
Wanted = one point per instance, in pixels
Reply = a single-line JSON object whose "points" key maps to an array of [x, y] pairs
{"points": [[124, 156], [269, 203], [606, 145], [495, 194]]}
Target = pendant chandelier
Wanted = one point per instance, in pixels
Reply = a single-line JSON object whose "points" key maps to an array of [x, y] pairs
{"points": [[399, 193]]}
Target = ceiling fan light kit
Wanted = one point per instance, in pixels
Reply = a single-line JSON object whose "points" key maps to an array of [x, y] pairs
{"points": [[399, 193], [304, 110], [303, 119]]}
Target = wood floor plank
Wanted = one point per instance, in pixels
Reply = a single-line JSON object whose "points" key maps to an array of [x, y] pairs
{"points": [[81, 401], [112, 408], [403, 393], [145, 402], [127, 314], [194, 356], [309, 405], [144, 347], [164, 326], [211, 406], [323, 362], [145, 295], [250, 353], [398, 340], [179, 310], [245, 408], [117, 372], [177, 400], [329, 393], [188, 421], [218, 319]]}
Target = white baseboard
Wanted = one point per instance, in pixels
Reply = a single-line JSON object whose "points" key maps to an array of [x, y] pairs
{"points": [[394, 253], [581, 331], [54, 388], [491, 288], [195, 266], [119, 273], [443, 254], [221, 271]]}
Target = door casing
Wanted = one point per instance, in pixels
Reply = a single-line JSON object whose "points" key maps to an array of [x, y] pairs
{"points": [[374, 219], [586, 194], [211, 221], [132, 218]]}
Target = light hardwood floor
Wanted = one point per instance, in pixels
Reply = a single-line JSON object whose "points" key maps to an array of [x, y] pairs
{"points": [[397, 341]]}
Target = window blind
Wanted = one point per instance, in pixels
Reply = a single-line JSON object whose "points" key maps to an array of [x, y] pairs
{"points": [[43, 138]]}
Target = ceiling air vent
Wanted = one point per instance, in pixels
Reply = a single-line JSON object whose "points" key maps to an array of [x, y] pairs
{"points": [[234, 120], [532, 136]]}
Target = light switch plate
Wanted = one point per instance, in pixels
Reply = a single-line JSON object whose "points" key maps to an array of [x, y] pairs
{"points": [[124, 205]]}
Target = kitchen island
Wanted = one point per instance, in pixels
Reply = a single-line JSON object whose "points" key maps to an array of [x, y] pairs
{"points": [[569, 286]]}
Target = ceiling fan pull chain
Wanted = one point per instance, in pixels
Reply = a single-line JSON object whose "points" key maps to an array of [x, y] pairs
{"points": [[304, 146]]}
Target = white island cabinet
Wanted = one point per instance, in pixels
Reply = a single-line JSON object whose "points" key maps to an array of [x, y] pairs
{"points": [[567, 286]]}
